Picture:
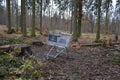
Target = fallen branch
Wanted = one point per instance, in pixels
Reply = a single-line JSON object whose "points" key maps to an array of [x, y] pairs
{"points": [[99, 44], [92, 44]]}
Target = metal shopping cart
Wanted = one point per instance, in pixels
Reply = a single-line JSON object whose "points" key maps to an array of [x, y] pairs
{"points": [[59, 43]]}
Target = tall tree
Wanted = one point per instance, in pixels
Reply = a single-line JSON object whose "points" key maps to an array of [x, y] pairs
{"points": [[41, 2], [80, 18], [1, 7], [16, 7], [33, 18], [23, 18], [2, 12], [117, 10], [8, 16], [117, 16], [77, 19], [75, 37], [13, 12], [107, 6], [71, 26], [90, 8], [98, 19]]}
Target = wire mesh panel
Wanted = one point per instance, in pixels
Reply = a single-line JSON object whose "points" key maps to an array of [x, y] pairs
{"points": [[52, 39], [60, 41], [64, 40]]}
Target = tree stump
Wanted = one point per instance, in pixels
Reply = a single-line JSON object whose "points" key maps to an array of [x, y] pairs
{"points": [[24, 49], [116, 37], [38, 43]]}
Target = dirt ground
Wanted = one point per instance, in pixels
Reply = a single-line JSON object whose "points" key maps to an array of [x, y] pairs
{"points": [[86, 63], [3, 33]]}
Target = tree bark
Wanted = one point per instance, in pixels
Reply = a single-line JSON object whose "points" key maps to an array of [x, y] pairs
{"points": [[80, 18], [23, 18], [8, 16], [33, 19], [40, 16], [75, 37], [98, 20], [17, 15], [71, 25], [106, 17]]}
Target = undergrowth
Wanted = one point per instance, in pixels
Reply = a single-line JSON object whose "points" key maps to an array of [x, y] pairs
{"points": [[19, 68], [6, 41]]}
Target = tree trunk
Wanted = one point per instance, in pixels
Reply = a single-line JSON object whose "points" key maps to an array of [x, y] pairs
{"points": [[33, 19], [71, 25], [23, 18], [8, 16], [51, 20], [106, 23], [40, 16], [106, 17], [80, 18], [75, 37], [12, 13], [98, 20], [17, 15]]}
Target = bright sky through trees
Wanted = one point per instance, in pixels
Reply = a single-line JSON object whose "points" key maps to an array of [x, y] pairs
{"points": [[55, 9], [114, 2]]}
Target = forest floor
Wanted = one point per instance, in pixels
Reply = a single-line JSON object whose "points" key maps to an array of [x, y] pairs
{"points": [[86, 63]]}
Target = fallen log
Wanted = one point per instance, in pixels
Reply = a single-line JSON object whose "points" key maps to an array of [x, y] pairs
{"points": [[99, 44], [5, 48], [115, 43], [91, 44], [24, 49]]}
